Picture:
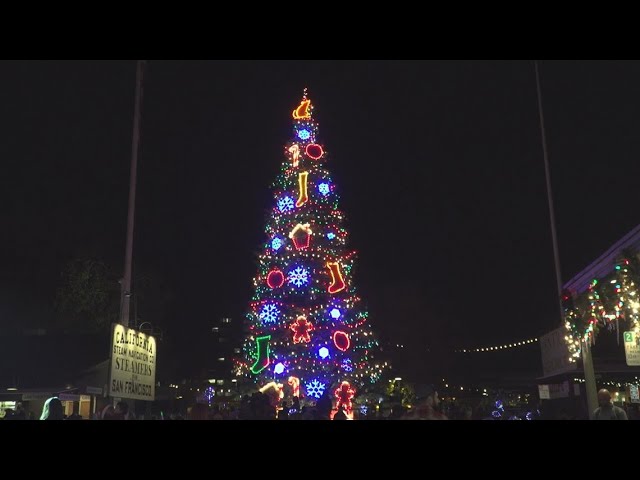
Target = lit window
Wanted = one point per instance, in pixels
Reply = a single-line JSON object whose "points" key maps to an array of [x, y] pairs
{"points": [[226, 320], [220, 382], [221, 359], [215, 329], [4, 406]]}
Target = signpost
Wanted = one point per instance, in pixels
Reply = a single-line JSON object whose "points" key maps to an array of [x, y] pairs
{"points": [[133, 364]]}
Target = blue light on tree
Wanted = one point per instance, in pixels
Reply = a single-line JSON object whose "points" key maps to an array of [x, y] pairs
{"points": [[269, 313], [286, 204], [331, 235], [364, 409], [276, 243], [324, 188], [315, 388], [279, 368], [347, 365], [304, 134], [323, 352], [335, 313], [299, 277]]}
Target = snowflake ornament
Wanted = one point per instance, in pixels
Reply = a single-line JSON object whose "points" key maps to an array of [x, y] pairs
{"points": [[269, 313], [315, 388], [298, 277], [286, 204], [324, 188], [276, 243]]}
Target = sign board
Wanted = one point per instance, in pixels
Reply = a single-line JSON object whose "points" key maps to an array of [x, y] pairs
{"points": [[634, 394], [555, 354], [69, 397], [94, 390], [556, 390], [133, 364], [27, 397], [632, 349], [543, 392]]}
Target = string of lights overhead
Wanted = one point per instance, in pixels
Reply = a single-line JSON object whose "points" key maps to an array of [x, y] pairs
{"points": [[522, 343]]}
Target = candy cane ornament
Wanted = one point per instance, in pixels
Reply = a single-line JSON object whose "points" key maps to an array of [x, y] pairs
{"points": [[294, 150]]}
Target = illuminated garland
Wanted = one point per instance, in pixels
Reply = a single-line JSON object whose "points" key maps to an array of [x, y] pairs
{"points": [[304, 300], [506, 346], [627, 306], [606, 302]]}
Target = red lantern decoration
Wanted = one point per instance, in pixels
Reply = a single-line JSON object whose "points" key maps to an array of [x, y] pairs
{"points": [[314, 151], [341, 341], [275, 279]]}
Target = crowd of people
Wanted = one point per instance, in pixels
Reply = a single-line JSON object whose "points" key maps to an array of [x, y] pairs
{"points": [[263, 406]]}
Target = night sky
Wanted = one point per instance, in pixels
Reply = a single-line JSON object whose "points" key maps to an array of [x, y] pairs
{"points": [[438, 163]]}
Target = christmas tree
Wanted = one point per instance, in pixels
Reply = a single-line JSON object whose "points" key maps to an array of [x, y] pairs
{"points": [[308, 334]]}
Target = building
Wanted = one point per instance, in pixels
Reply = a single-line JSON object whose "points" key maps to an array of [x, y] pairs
{"points": [[562, 384], [224, 345]]}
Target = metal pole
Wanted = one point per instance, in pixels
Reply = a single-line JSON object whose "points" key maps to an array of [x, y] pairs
{"points": [[587, 359], [126, 282], [552, 216]]}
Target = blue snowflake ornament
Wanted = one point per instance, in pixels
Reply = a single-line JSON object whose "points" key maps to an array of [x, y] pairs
{"points": [[315, 388]]}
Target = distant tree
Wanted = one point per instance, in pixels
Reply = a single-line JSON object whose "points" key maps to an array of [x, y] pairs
{"points": [[88, 298], [152, 298], [401, 391]]}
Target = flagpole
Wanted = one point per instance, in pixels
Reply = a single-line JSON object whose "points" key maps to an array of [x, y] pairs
{"points": [[587, 359], [126, 282]]}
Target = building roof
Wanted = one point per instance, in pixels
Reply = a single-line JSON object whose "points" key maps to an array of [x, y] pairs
{"points": [[605, 263]]}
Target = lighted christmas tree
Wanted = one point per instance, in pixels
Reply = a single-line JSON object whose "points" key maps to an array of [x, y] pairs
{"points": [[308, 332]]}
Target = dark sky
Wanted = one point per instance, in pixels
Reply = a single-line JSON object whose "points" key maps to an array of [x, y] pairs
{"points": [[439, 165]]}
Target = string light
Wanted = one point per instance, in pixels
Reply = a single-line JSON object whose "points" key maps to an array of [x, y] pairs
{"points": [[521, 343], [591, 310]]}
